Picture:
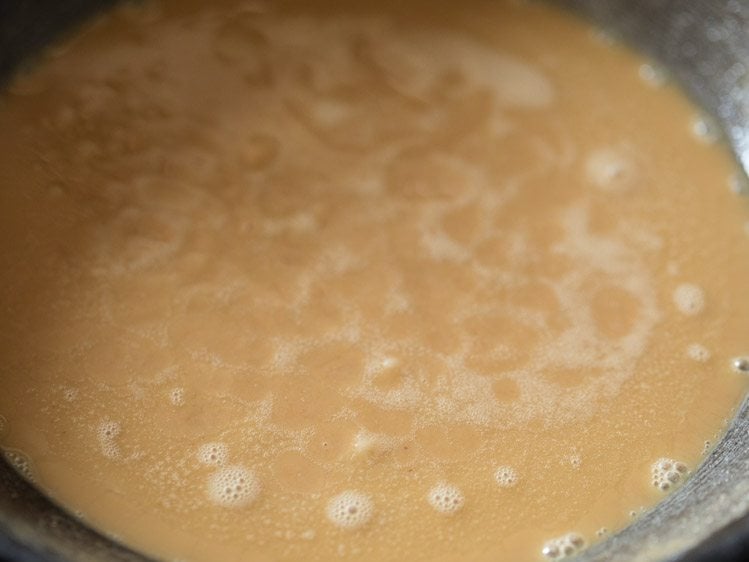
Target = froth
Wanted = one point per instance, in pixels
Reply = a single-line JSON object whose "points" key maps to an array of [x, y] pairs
{"points": [[506, 476], [350, 509], [611, 169], [689, 299], [107, 433], [667, 473], [563, 547], [177, 396], [698, 352], [20, 462], [233, 486], [446, 498], [369, 445], [214, 454]]}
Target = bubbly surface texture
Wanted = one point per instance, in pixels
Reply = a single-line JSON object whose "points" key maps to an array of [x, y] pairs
{"points": [[317, 280]]}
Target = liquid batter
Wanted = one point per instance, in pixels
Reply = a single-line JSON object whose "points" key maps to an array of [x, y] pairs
{"points": [[396, 281]]}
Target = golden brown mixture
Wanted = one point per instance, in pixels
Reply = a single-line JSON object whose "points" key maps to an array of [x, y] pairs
{"points": [[378, 281]]}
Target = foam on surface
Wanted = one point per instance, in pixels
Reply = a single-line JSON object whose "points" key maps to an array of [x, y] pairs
{"points": [[350, 509], [446, 498], [233, 486]]}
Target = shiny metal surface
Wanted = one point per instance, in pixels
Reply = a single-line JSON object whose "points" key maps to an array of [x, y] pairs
{"points": [[705, 46]]}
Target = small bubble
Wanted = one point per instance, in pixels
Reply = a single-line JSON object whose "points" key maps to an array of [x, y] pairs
{"points": [[611, 169], [653, 74], [741, 364], [563, 547], [705, 129], [604, 37], [575, 461]]}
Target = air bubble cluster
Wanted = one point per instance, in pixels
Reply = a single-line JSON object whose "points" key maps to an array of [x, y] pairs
{"points": [[698, 352], [233, 486], [668, 473], [350, 509], [214, 454], [506, 476], [689, 299], [20, 462], [563, 547], [107, 433], [177, 396], [446, 498]]}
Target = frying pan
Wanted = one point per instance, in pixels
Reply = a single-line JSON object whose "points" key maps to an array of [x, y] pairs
{"points": [[704, 46]]}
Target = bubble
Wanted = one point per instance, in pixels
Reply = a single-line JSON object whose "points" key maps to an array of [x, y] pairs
{"points": [[689, 299], [739, 185], [698, 353], [563, 547], [741, 364], [611, 169], [653, 74], [575, 460], [506, 476], [446, 498], [214, 454], [350, 509], [668, 473], [233, 486], [21, 462], [107, 433], [602, 532], [705, 129], [177, 396]]}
